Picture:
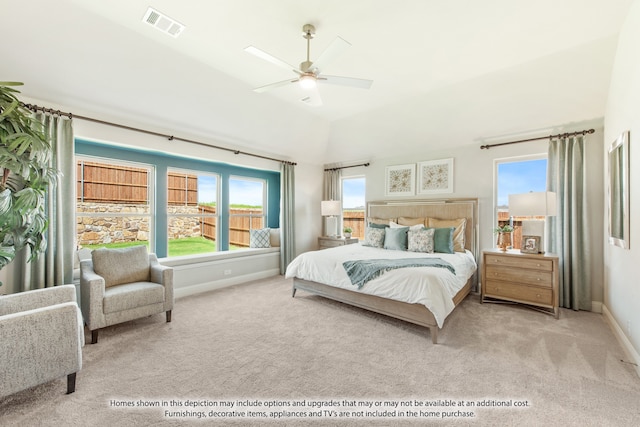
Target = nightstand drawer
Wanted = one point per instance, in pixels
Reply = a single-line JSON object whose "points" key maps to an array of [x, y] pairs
{"points": [[519, 262], [326, 243], [515, 292], [529, 277]]}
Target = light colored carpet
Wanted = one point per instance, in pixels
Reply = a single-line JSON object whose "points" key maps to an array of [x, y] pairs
{"points": [[254, 342]]}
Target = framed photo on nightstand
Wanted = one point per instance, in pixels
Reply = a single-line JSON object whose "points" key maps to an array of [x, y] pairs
{"points": [[530, 245]]}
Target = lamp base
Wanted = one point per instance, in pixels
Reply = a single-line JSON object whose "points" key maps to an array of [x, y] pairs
{"points": [[331, 224]]}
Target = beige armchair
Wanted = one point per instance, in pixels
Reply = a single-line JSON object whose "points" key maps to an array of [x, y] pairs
{"points": [[41, 336], [118, 285]]}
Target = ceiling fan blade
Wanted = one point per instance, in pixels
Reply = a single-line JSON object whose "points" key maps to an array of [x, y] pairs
{"points": [[337, 47], [346, 81], [270, 58], [274, 85], [312, 98]]}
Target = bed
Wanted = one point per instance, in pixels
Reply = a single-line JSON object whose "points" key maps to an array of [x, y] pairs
{"points": [[423, 296]]}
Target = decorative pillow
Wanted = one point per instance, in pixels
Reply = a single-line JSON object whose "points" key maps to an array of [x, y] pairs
{"points": [[260, 238], [396, 238], [274, 237], [443, 240], [124, 265], [458, 234], [411, 221], [384, 221], [421, 240], [375, 225], [374, 237]]}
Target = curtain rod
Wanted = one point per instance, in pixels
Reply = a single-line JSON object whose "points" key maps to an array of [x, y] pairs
{"points": [[560, 135], [34, 108], [345, 167]]}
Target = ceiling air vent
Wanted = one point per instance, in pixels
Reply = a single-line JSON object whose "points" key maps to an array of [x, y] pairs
{"points": [[163, 22]]}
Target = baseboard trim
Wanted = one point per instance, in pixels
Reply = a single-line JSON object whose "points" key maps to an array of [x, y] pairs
{"points": [[219, 284], [622, 338], [596, 306]]}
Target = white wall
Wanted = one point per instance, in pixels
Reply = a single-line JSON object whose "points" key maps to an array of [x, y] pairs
{"points": [[622, 288], [474, 177]]}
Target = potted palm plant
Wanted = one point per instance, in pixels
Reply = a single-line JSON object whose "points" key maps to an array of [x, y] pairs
{"points": [[347, 232], [25, 175]]}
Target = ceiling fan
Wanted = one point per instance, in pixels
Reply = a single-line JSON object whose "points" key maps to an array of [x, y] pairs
{"points": [[310, 73]]}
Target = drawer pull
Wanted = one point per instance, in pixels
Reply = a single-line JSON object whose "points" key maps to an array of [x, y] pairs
{"points": [[538, 265]]}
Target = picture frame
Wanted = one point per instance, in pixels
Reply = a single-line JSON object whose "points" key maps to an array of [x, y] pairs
{"points": [[530, 245], [435, 176], [400, 180]]}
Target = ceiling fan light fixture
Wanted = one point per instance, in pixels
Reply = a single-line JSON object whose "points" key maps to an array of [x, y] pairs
{"points": [[307, 81]]}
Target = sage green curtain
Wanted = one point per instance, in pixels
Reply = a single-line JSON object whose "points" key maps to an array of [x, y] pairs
{"points": [[568, 232], [332, 190], [55, 266], [287, 215]]}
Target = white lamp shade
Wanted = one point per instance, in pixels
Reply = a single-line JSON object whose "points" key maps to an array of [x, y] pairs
{"points": [[542, 203], [330, 207]]}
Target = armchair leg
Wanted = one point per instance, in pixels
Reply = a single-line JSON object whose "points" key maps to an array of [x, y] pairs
{"points": [[71, 383], [168, 316], [94, 336]]}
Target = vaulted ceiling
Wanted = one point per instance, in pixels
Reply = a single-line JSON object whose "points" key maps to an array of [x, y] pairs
{"points": [[445, 73]]}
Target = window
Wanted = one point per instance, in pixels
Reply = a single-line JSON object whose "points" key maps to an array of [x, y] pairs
{"points": [[353, 205], [131, 196], [113, 204], [191, 212], [514, 176], [246, 209]]}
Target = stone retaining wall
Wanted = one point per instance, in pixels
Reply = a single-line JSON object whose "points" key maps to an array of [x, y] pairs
{"points": [[91, 230]]}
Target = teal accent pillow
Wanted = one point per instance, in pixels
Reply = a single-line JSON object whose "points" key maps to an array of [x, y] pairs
{"points": [[443, 240], [374, 225], [396, 238]]}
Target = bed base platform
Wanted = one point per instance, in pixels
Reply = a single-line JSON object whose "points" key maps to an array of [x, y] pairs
{"points": [[413, 313]]}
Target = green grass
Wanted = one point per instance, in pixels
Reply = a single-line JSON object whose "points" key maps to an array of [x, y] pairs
{"points": [[177, 247], [190, 246]]}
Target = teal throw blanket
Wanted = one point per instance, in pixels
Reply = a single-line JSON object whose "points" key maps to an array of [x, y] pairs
{"points": [[361, 271]]}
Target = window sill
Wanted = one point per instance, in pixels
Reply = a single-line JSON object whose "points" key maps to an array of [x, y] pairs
{"points": [[216, 256]]}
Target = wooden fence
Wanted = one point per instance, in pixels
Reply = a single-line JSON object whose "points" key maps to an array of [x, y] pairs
{"points": [[241, 221], [108, 183], [355, 220]]}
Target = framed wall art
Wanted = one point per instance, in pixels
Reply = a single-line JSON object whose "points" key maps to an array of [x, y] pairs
{"points": [[435, 176], [400, 180]]}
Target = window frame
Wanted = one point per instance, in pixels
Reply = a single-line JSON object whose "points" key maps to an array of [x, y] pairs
{"points": [[512, 159], [265, 201], [161, 161], [364, 208], [216, 215], [151, 180]]}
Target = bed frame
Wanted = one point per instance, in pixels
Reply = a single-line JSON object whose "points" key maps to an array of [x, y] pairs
{"points": [[413, 313]]}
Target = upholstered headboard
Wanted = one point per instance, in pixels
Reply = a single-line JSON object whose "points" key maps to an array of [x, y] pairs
{"points": [[432, 208]]}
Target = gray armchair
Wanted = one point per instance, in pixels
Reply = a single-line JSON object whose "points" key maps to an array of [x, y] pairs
{"points": [[118, 285], [42, 336]]}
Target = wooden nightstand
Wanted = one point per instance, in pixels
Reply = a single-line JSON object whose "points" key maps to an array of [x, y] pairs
{"points": [[331, 242], [512, 276]]}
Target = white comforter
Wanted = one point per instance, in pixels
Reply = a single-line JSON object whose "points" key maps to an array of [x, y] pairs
{"points": [[432, 287]]}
